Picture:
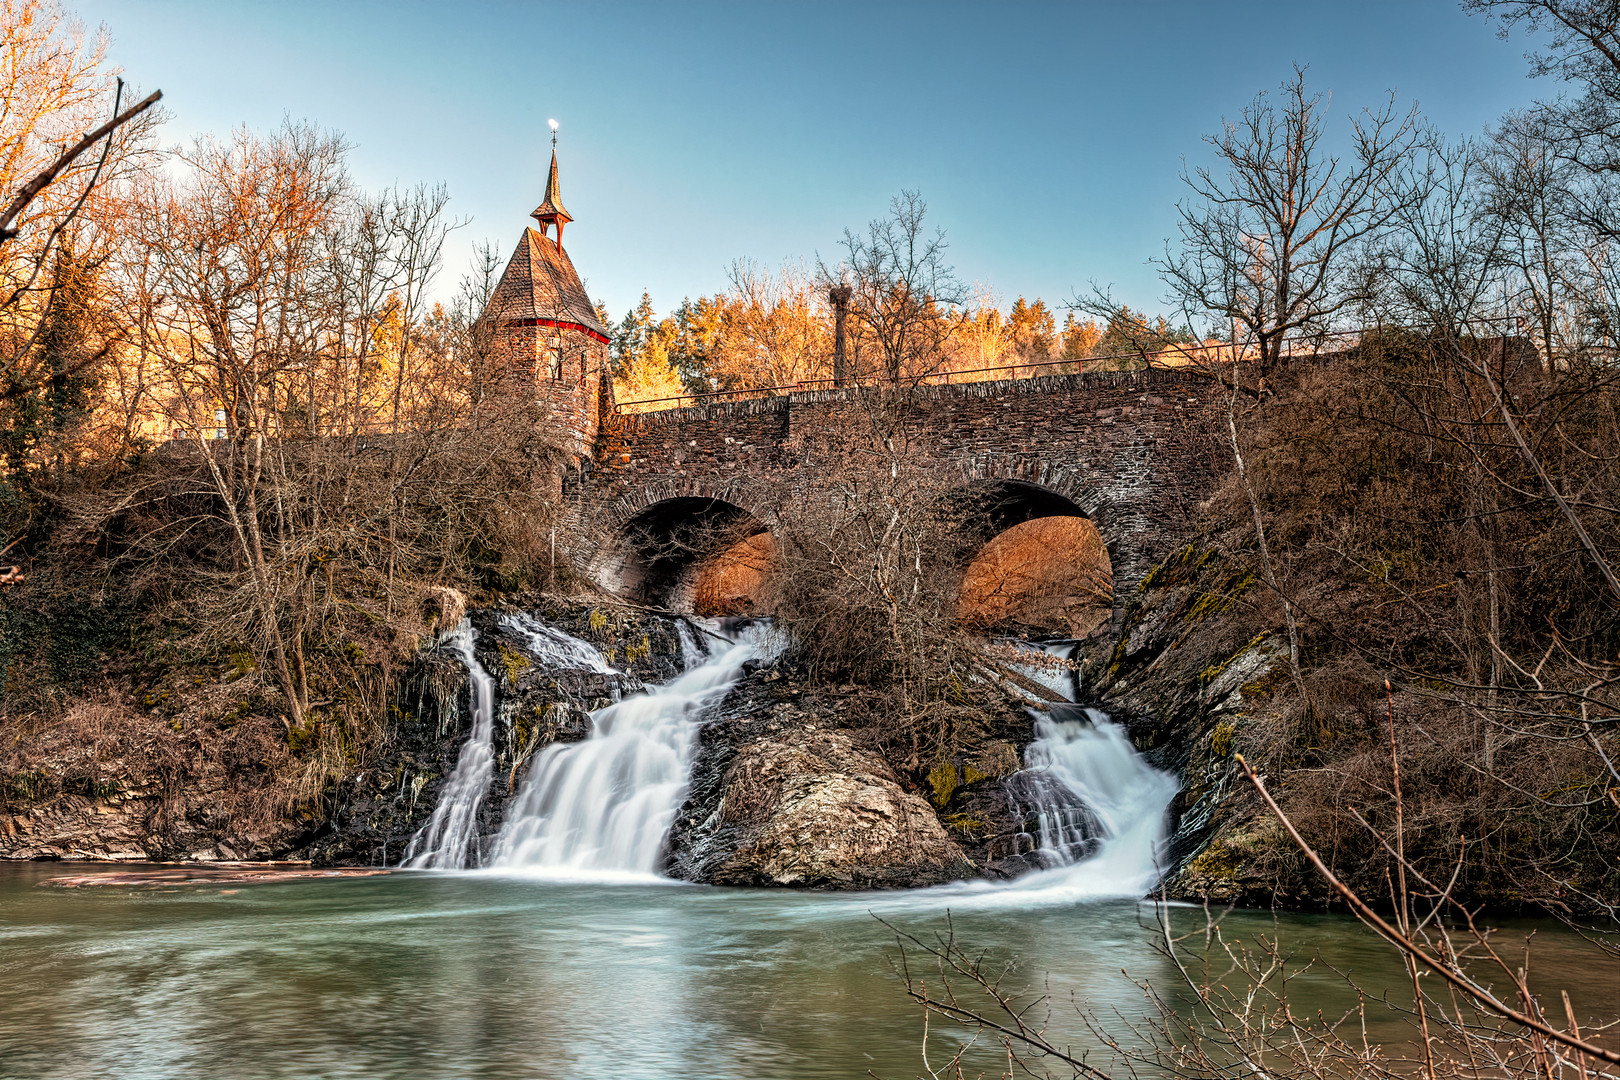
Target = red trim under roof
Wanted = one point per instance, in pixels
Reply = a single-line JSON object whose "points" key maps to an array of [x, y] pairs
{"points": [[562, 324]]}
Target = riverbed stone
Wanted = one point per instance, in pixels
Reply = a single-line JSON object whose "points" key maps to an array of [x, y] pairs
{"points": [[824, 815], [781, 797]]}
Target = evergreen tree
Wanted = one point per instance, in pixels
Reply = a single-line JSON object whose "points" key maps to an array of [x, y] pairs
{"points": [[1032, 329], [1080, 339], [630, 336], [48, 395]]}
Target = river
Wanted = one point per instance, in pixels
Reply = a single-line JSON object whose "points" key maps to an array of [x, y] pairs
{"points": [[425, 975]]}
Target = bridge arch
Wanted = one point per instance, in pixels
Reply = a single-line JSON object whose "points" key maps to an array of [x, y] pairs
{"points": [[1034, 559], [689, 550]]}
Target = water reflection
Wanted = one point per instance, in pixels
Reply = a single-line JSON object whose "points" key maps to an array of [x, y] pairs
{"points": [[474, 976]]}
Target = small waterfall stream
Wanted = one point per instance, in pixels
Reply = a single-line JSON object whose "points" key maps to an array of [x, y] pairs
{"points": [[555, 647], [1100, 810], [1096, 802], [602, 807], [449, 840]]}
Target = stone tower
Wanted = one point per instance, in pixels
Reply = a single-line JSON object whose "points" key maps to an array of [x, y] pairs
{"points": [[546, 330]]}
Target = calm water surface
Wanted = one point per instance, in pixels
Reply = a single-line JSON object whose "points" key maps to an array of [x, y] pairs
{"points": [[426, 976]]}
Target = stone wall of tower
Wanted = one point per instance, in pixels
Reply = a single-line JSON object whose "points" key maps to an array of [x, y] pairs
{"points": [[561, 369]]}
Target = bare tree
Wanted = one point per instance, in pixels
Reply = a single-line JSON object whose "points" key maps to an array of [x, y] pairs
{"points": [[348, 455], [901, 292], [1269, 249]]}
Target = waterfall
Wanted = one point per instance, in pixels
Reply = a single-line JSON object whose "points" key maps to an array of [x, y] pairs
{"points": [[449, 840], [602, 807], [1096, 810], [1099, 808], [554, 648]]}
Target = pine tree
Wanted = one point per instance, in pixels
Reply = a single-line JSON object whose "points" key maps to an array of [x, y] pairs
{"points": [[1033, 330], [49, 395]]}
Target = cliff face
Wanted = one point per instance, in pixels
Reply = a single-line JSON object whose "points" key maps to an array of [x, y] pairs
{"points": [[1196, 665]]}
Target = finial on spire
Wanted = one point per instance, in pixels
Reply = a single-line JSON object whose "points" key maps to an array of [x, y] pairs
{"points": [[550, 211]]}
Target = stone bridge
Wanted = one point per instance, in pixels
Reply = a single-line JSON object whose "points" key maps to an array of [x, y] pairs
{"points": [[1132, 453]]}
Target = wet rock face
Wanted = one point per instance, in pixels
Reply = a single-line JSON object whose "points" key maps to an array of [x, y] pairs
{"points": [[545, 691], [1196, 659], [779, 799]]}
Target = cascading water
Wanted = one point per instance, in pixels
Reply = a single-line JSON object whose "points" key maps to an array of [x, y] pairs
{"points": [[449, 840], [554, 648], [602, 807], [1099, 808]]}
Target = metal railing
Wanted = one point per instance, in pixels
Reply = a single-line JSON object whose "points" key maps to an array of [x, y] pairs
{"points": [[1171, 356], [933, 378]]}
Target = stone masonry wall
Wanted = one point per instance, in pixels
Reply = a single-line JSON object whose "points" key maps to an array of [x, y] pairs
{"points": [[1136, 451]]}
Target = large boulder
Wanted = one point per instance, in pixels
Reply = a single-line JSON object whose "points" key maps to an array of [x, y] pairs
{"points": [[780, 801]]}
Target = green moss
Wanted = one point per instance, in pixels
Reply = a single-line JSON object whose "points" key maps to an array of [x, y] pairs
{"points": [[970, 775], [1222, 599], [514, 662], [1266, 684], [242, 661], [632, 653], [302, 737], [1213, 672], [965, 823], [523, 727], [1173, 570], [1216, 861], [1220, 741], [942, 778]]}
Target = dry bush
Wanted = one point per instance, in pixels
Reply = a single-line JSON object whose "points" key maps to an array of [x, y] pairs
{"points": [[870, 555], [99, 746], [1418, 542]]}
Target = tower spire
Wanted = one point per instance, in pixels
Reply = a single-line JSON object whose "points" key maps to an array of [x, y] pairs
{"points": [[550, 211]]}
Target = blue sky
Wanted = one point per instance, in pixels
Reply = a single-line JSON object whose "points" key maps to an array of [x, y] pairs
{"points": [[1045, 137]]}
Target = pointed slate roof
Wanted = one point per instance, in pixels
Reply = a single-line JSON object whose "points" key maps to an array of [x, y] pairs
{"points": [[550, 211], [541, 288]]}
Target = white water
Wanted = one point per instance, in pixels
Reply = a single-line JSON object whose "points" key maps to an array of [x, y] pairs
{"points": [[556, 648], [449, 840], [600, 809]]}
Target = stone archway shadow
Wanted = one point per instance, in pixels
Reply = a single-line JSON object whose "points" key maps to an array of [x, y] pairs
{"points": [[691, 548]]}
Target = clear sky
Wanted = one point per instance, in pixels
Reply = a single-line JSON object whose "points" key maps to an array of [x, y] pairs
{"points": [[1045, 137]]}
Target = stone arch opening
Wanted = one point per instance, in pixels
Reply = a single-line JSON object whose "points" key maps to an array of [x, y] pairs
{"points": [[696, 553], [1034, 562]]}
